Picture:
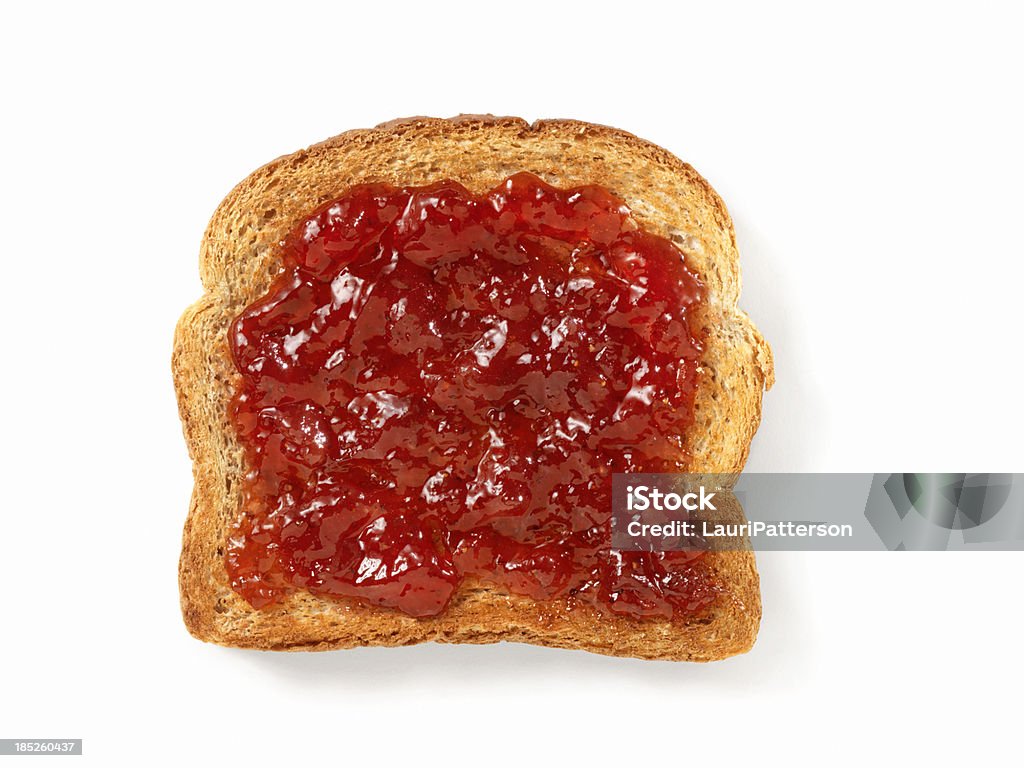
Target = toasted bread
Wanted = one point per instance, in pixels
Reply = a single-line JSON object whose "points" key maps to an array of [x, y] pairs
{"points": [[240, 256]]}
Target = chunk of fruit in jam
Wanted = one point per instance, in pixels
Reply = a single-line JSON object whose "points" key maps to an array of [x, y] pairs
{"points": [[440, 385]]}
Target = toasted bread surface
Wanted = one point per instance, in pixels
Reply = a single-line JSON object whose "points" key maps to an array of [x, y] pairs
{"points": [[238, 260]]}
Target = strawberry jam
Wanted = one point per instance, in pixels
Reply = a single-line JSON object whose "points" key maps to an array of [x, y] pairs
{"points": [[438, 386]]}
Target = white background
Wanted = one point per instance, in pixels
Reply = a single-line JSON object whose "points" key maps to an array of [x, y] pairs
{"points": [[872, 160]]}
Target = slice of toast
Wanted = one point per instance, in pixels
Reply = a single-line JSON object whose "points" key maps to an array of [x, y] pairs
{"points": [[238, 259]]}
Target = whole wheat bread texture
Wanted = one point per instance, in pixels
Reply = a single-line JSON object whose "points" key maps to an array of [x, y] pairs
{"points": [[238, 260]]}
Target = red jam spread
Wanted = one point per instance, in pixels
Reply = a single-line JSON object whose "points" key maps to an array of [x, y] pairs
{"points": [[438, 386]]}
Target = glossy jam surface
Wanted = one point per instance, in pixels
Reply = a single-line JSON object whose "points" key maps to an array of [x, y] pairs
{"points": [[439, 386]]}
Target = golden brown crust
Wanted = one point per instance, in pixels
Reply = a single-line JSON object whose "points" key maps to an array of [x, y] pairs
{"points": [[237, 262]]}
